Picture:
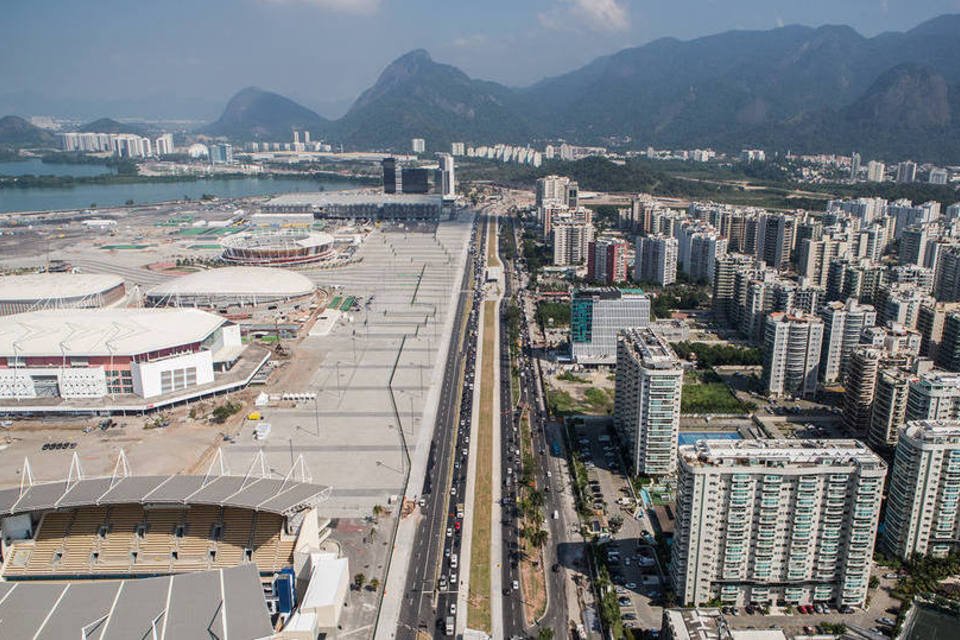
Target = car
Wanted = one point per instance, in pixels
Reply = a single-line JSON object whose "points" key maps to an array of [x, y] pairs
{"points": [[629, 616], [453, 491], [891, 576], [449, 531], [886, 621], [749, 609], [555, 568], [624, 602], [631, 585], [453, 608], [844, 608], [516, 585]]}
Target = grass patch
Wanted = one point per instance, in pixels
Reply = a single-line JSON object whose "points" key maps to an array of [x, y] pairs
{"points": [[492, 259], [599, 400], [478, 614], [560, 403], [553, 314], [532, 569], [704, 392], [569, 376]]}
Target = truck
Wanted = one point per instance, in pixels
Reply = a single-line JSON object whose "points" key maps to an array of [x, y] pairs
{"points": [[459, 509], [450, 626], [261, 431]]}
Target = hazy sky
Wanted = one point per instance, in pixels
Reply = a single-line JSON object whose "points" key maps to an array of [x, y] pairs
{"points": [[322, 52]]}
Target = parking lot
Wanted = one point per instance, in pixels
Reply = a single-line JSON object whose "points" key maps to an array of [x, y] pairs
{"points": [[630, 557]]}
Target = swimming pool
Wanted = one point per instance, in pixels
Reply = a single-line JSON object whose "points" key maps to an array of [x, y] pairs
{"points": [[690, 437]]}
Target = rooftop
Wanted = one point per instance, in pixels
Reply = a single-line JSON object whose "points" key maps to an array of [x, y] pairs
{"points": [[321, 199], [209, 604], [651, 349], [273, 495], [779, 453], [239, 281], [933, 431], [102, 332], [43, 286]]}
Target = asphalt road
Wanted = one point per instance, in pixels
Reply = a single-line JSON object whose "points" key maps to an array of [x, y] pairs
{"points": [[429, 589], [555, 616]]}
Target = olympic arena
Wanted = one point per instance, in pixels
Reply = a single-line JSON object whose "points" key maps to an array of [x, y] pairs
{"points": [[232, 286], [284, 247], [40, 291]]}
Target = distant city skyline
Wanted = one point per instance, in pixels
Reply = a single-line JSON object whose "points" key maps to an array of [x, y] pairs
{"points": [[179, 59]]}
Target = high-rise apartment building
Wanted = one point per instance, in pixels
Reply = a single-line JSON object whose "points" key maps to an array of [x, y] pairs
{"points": [[776, 236], [907, 172], [598, 315], [646, 409], [946, 286], [557, 190], [418, 145], [446, 177], [726, 270], [762, 521], [705, 248], [922, 515], [931, 320], [656, 260], [607, 261], [458, 149], [889, 411], [791, 354], [842, 325], [875, 171], [948, 351], [571, 242], [934, 395]]}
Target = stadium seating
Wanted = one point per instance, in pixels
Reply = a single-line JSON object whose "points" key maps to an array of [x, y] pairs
{"points": [[129, 540]]}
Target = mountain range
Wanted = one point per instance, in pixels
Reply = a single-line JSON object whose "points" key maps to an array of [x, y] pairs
{"points": [[804, 89]]}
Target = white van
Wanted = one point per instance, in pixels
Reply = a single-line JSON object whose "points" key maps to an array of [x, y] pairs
{"points": [[556, 515], [453, 561]]}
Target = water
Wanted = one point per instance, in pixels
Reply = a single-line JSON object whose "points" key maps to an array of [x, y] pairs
{"points": [[37, 167], [690, 437], [111, 195]]}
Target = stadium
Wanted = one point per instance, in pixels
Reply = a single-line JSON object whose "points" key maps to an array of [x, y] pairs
{"points": [[180, 556], [277, 248], [38, 291], [232, 287]]}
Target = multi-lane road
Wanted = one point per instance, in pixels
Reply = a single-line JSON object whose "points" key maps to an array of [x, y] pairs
{"points": [[529, 398], [432, 582]]}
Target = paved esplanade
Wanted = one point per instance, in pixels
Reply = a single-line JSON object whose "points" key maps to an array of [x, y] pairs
{"points": [[420, 449]]}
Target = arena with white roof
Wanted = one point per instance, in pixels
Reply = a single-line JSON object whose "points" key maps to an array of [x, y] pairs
{"points": [[102, 358], [38, 291], [232, 286]]}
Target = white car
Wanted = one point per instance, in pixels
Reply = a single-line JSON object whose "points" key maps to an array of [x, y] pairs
{"points": [[516, 585], [449, 532]]}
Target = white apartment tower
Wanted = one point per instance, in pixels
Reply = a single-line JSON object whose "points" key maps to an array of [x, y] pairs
{"points": [[656, 260], [646, 410], [418, 145], [571, 242], [759, 521], [791, 353], [922, 515], [842, 326]]}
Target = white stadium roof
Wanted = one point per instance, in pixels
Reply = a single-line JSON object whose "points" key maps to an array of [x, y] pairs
{"points": [[102, 332], [328, 198], [53, 286], [239, 282]]}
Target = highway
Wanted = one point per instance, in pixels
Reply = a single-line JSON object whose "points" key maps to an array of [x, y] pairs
{"points": [[432, 583]]}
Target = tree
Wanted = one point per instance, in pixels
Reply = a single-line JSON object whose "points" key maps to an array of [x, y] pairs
{"points": [[374, 584], [545, 633], [358, 581], [538, 538]]}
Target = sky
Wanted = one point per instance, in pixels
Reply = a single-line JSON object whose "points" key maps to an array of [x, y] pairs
{"points": [[184, 58]]}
